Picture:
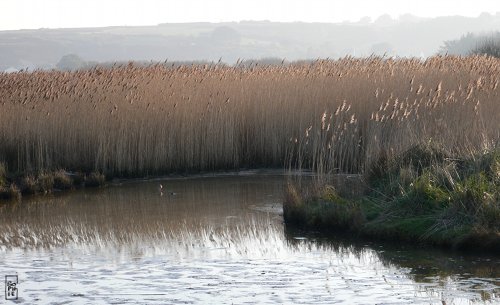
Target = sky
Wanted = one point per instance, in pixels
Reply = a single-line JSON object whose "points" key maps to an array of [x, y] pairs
{"points": [[34, 14]]}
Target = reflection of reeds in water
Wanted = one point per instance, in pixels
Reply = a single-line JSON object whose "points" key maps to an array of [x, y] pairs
{"points": [[254, 237], [134, 212], [475, 276], [439, 275], [261, 238]]}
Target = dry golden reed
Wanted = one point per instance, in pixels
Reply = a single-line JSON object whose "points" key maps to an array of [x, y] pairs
{"points": [[332, 116]]}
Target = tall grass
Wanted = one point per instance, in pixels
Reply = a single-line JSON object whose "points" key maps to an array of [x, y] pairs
{"points": [[330, 116]]}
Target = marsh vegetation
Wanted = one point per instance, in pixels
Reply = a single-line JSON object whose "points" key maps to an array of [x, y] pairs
{"points": [[421, 196], [355, 116], [337, 116]]}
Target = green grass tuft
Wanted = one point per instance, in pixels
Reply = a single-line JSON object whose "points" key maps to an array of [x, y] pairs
{"points": [[436, 200]]}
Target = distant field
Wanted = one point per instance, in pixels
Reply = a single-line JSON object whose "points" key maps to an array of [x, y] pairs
{"points": [[332, 116]]}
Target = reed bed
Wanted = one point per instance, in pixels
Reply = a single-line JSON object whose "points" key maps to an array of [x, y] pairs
{"points": [[329, 116]]}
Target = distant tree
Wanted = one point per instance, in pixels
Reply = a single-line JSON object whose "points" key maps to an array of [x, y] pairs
{"points": [[384, 20], [490, 47], [409, 18], [226, 35], [71, 62], [473, 44], [460, 46], [382, 48], [365, 20]]}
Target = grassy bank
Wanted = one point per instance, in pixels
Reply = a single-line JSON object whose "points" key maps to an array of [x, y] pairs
{"points": [[13, 187], [422, 195]]}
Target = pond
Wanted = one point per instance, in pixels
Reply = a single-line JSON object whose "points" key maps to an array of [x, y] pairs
{"points": [[216, 240]]}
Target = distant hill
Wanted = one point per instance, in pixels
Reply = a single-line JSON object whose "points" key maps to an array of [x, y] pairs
{"points": [[407, 36]]}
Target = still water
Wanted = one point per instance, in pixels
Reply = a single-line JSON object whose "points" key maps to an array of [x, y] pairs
{"points": [[216, 240]]}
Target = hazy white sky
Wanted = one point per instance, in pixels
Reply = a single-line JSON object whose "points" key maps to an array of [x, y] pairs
{"points": [[17, 14]]}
